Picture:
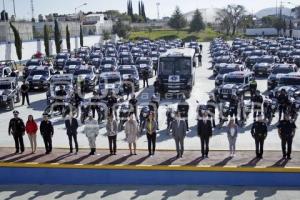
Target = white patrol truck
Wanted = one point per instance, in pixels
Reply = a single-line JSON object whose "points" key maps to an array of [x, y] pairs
{"points": [[176, 71], [234, 83], [110, 81]]}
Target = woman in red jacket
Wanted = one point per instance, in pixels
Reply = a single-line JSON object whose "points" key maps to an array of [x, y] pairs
{"points": [[31, 129]]}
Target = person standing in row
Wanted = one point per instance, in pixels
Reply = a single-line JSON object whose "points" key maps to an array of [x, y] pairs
{"points": [[145, 76], [16, 128], [286, 131], [131, 132], [133, 102], [47, 131], [257, 100], [204, 132], [31, 129], [179, 129], [151, 133], [259, 132], [232, 133], [112, 129], [183, 108], [24, 92], [72, 126], [91, 130], [211, 106]]}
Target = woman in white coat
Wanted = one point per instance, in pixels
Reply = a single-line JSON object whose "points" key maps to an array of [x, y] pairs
{"points": [[91, 130]]}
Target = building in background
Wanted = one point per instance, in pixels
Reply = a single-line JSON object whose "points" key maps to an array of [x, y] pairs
{"points": [[95, 24]]}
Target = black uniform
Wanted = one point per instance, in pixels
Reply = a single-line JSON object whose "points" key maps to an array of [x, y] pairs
{"points": [[200, 59], [133, 102], [111, 102], [156, 86], [259, 132], [145, 76], [253, 87], [183, 109], [47, 132], [95, 100], [211, 106], [286, 132], [17, 129], [233, 105], [24, 91], [283, 101], [257, 101]]}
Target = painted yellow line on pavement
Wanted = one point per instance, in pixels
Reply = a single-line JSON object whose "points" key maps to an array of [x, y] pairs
{"points": [[153, 168]]}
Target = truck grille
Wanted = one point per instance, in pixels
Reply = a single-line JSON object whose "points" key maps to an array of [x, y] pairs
{"points": [[226, 91]]}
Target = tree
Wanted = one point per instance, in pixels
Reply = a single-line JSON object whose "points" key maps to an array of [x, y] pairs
{"points": [[121, 29], [57, 37], [68, 39], [296, 10], [140, 9], [81, 36], [291, 27], [197, 23], [177, 20], [18, 41], [278, 24], [284, 27], [46, 40], [129, 8], [143, 13], [223, 20], [106, 35]]}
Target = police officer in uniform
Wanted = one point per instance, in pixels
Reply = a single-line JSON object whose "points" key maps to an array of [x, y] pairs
{"points": [[211, 106], [259, 132], [153, 106], [253, 87], [133, 102], [286, 131], [95, 100], [145, 76], [183, 108], [257, 100], [233, 105], [47, 131], [17, 129], [60, 94], [283, 101], [24, 92], [111, 102]]}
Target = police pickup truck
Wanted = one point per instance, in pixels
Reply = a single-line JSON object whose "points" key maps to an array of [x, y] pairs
{"points": [[225, 70], [60, 60], [39, 77], [71, 65], [176, 71], [130, 73], [277, 71], [290, 82], [234, 83], [264, 65], [110, 81], [86, 75], [9, 92], [144, 63]]}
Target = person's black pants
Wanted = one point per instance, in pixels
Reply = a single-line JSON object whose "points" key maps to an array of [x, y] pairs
{"points": [[204, 145], [145, 81], [94, 110], [74, 136], [286, 142], [48, 143], [256, 112], [282, 109], [25, 95], [19, 143], [234, 112], [112, 141], [211, 116], [259, 147], [151, 143]]}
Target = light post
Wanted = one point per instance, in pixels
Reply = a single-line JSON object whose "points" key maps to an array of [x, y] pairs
{"points": [[84, 4], [14, 5], [157, 5]]}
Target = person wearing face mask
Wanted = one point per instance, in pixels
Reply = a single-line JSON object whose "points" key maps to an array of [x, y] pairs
{"points": [[91, 130], [204, 132], [72, 126], [232, 135], [259, 132], [286, 131], [179, 129], [131, 132]]}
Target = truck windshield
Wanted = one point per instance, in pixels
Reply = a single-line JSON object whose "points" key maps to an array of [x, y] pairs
{"points": [[175, 66], [234, 80], [289, 81]]}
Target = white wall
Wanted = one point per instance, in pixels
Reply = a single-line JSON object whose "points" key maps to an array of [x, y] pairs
{"points": [[260, 31], [30, 48]]}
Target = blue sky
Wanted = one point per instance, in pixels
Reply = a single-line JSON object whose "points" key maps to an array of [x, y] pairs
{"points": [[166, 6]]}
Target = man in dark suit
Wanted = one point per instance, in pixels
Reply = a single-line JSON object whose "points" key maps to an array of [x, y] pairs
{"points": [[47, 131], [145, 76], [179, 129], [17, 129], [204, 132], [259, 132], [286, 131], [72, 126]]}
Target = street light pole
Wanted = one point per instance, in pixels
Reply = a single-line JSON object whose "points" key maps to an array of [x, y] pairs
{"points": [[3, 5], [84, 4], [14, 8]]}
